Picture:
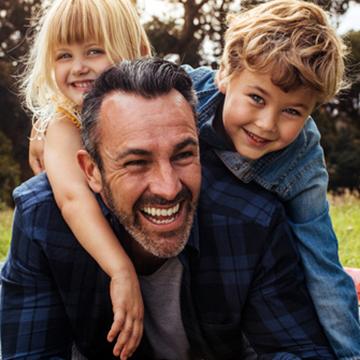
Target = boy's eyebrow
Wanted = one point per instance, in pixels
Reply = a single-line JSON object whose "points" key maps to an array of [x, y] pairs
{"points": [[142, 152], [264, 92]]}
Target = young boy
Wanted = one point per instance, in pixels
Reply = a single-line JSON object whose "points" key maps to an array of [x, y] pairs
{"points": [[281, 60]]}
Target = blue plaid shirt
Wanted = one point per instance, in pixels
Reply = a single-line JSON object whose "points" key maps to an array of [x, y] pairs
{"points": [[241, 275]]}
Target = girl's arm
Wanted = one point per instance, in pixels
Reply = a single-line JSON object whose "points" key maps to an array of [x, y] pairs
{"points": [[36, 151], [82, 213]]}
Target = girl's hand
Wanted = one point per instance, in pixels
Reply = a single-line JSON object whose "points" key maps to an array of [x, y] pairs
{"points": [[36, 152], [128, 311]]}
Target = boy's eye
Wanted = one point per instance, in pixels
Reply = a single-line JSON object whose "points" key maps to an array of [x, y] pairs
{"points": [[257, 99], [292, 112]]}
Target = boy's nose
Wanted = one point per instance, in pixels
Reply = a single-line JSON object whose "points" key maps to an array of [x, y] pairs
{"points": [[267, 121]]}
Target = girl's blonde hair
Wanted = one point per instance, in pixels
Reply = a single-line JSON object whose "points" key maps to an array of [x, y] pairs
{"points": [[293, 40], [112, 23]]}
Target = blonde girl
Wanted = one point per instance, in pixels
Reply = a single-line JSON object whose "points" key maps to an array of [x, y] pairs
{"points": [[76, 41]]}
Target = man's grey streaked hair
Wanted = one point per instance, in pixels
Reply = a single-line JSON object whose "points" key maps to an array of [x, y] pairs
{"points": [[147, 77]]}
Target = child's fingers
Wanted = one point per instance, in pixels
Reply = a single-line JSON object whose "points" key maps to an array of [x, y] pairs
{"points": [[133, 342], [125, 334], [117, 325]]}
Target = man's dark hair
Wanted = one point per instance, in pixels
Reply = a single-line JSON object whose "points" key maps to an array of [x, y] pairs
{"points": [[147, 77]]}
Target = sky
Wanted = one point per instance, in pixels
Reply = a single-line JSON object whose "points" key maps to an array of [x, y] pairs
{"points": [[350, 21]]}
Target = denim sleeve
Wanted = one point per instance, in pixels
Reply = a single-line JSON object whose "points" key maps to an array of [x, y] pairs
{"points": [[331, 289], [33, 319]]}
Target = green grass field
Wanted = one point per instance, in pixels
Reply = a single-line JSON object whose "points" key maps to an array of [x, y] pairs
{"points": [[345, 213]]}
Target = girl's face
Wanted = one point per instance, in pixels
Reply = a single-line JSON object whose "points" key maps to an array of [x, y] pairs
{"points": [[76, 68]]}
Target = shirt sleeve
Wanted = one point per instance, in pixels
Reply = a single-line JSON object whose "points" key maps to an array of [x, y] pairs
{"points": [[278, 301], [33, 320]]}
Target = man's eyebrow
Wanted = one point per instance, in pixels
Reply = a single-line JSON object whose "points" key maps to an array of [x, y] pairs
{"points": [[137, 151], [132, 151], [185, 143]]}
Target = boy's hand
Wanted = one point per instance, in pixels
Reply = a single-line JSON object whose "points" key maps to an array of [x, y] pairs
{"points": [[36, 152], [128, 311]]}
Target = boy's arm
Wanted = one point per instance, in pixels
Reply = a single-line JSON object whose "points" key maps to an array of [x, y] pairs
{"points": [[279, 316], [32, 313], [82, 213]]}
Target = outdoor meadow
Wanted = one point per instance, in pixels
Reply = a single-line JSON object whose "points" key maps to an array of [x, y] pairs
{"points": [[345, 214]]}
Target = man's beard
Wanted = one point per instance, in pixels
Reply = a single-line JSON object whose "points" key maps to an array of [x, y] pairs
{"points": [[154, 242]]}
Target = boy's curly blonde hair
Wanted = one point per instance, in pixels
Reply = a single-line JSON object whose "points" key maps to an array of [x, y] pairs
{"points": [[114, 24], [293, 40]]}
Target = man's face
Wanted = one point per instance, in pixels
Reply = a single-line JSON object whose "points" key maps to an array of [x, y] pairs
{"points": [[151, 170]]}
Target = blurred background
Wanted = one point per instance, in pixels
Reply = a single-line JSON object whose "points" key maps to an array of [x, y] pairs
{"points": [[191, 31]]}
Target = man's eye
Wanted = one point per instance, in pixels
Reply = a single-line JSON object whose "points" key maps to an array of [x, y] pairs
{"points": [[183, 155], [257, 99], [292, 112], [136, 163]]}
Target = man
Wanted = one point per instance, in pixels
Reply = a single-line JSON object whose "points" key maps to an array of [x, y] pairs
{"points": [[233, 269]]}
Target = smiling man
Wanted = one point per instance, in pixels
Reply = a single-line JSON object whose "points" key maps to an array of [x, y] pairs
{"points": [[208, 276]]}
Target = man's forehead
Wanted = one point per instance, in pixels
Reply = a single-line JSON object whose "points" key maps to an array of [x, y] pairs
{"points": [[120, 109], [133, 122]]}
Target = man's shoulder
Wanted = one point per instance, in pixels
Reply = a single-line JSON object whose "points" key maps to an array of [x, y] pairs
{"points": [[33, 192], [228, 196]]}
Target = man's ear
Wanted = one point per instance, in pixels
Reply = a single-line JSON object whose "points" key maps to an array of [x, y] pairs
{"points": [[221, 80], [91, 170]]}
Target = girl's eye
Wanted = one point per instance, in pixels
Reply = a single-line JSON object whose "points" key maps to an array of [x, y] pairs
{"points": [[292, 112], [96, 51], [63, 56], [257, 99]]}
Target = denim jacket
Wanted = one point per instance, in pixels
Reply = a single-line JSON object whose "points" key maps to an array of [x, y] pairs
{"points": [[297, 175]]}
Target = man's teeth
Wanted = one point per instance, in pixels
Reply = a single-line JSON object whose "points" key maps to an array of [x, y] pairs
{"points": [[161, 212]]}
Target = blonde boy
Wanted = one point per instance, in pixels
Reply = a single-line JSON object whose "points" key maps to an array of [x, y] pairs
{"points": [[281, 60]]}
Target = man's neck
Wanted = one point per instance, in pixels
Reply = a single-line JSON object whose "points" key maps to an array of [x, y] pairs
{"points": [[144, 262]]}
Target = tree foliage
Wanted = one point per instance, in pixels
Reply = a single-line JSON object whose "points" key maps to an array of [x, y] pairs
{"points": [[9, 170], [201, 22]]}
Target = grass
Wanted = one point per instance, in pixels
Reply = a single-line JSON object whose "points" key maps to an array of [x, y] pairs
{"points": [[344, 210], [345, 215], [5, 230]]}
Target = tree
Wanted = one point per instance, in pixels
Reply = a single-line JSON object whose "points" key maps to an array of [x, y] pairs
{"points": [[339, 123], [9, 170], [204, 21], [14, 20], [185, 35]]}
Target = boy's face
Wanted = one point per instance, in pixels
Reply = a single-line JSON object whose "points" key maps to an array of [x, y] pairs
{"points": [[258, 116]]}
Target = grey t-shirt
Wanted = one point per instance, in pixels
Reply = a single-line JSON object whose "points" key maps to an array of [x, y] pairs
{"points": [[163, 324]]}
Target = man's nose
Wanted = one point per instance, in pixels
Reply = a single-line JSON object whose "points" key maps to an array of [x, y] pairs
{"points": [[165, 182]]}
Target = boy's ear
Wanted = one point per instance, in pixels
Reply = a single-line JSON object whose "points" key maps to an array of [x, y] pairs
{"points": [[91, 170], [221, 81]]}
